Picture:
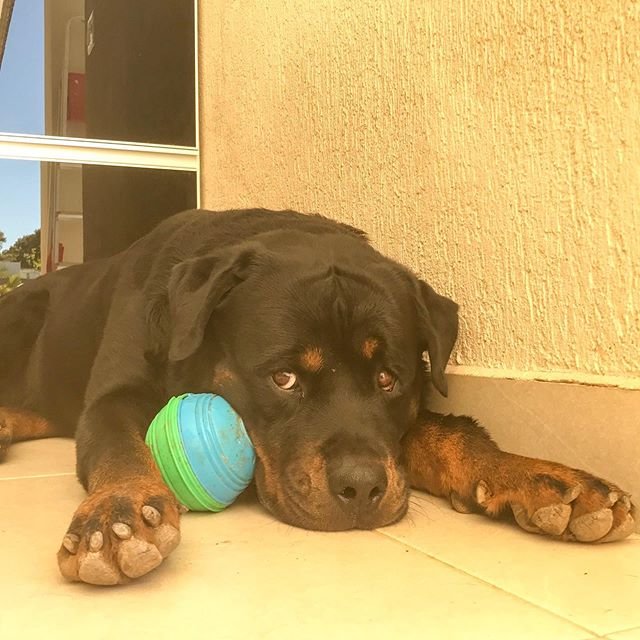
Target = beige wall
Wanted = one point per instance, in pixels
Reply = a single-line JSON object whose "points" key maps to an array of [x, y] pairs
{"points": [[492, 145]]}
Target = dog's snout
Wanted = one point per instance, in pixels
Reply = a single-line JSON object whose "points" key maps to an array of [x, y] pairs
{"points": [[358, 483]]}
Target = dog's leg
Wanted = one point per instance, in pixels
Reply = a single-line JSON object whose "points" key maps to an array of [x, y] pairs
{"points": [[130, 520], [454, 457], [21, 424]]}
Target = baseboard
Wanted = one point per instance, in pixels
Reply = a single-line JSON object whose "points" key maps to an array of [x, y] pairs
{"points": [[573, 377]]}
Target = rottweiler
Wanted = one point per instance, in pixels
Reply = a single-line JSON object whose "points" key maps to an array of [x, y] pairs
{"points": [[317, 340]]}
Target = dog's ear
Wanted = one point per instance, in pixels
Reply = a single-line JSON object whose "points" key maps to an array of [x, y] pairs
{"points": [[196, 287], [438, 317]]}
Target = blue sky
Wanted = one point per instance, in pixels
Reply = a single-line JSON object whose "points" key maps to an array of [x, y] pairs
{"points": [[22, 111]]}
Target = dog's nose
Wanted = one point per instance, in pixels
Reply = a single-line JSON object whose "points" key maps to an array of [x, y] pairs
{"points": [[357, 483]]}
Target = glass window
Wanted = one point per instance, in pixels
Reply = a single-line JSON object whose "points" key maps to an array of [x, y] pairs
{"points": [[74, 213], [99, 69], [98, 128], [20, 222]]}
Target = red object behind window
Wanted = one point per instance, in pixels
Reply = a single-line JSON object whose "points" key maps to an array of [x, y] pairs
{"points": [[75, 99]]}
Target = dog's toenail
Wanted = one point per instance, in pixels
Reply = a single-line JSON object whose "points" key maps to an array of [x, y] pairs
{"points": [[122, 530], [458, 504], [96, 541], [483, 493], [572, 494], [70, 542], [151, 515]]}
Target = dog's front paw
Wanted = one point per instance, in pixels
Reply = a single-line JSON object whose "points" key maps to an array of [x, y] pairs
{"points": [[552, 499], [120, 532]]}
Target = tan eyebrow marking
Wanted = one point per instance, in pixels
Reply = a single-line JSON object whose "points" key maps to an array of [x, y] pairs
{"points": [[369, 347], [312, 359]]}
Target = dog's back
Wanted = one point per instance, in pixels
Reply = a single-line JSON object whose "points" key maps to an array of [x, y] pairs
{"points": [[49, 331]]}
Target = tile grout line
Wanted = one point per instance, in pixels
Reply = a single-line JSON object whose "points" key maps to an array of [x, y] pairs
{"points": [[40, 475], [593, 635]]}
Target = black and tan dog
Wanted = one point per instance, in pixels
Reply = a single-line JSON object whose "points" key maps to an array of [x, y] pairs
{"points": [[315, 338]]}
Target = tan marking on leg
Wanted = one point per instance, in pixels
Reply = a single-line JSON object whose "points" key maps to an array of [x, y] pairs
{"points": [[113, 470], [26, 425]]}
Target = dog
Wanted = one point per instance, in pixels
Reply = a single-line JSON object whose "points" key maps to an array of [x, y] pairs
{"points": [[316, 339]]}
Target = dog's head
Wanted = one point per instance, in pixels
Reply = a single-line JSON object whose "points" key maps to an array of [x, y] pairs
{"points": [[317, 342]]}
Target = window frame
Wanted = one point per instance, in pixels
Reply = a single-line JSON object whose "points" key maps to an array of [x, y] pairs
{"points": [[46, 148]]}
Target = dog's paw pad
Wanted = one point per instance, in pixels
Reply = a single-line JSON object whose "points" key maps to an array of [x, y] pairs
{"points": [[592, 526], [137, 557], [622, 531], [166, 539], [94, 569], [552, 519], [521, 517]]}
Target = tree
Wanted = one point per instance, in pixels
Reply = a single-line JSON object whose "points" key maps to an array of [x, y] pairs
{"points": [[25, 250], [9, 284]]}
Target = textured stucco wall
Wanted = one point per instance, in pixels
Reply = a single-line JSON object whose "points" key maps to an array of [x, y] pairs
{"points": [[492, 145]]}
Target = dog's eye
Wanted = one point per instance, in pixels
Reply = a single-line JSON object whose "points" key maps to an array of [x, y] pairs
{"points": [[386, 380], [285, 380]]}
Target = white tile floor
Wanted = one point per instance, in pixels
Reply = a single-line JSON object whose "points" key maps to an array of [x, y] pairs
{"points": [[240, 574]]}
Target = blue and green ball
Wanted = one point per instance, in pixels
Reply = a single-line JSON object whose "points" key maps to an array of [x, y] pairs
{"points": [[202, 450]]}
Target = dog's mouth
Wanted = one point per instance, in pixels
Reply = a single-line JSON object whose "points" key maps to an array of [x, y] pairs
{"points": [[295, 499], [294, 513]]}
